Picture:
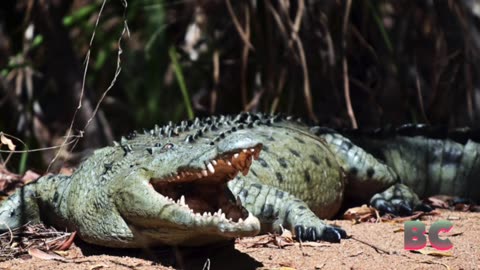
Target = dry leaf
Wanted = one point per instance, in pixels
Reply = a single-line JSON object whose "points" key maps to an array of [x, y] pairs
{"points": [[7, 141], [435, 253], [62, 253], [315, 244], [285, 239], [270, 240], [29, 176], [360, 214], [439, 201], [63, 245]]}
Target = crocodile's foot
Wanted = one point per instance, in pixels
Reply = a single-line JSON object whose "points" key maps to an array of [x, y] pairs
{"points": [[398, 200], [328, 233], [460, 200]]}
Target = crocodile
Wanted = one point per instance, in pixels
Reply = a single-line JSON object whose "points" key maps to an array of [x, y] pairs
{"points": [[221, 177]]}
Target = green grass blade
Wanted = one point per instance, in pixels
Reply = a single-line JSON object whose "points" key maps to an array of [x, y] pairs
{"points": [[379, 22], [22, 166], [172, 52]]}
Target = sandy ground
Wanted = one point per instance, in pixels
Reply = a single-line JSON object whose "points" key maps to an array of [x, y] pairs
{"points": [[371, 246]]}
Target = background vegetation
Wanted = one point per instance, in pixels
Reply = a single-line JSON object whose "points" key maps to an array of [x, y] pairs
{"points": [[360, 63]]}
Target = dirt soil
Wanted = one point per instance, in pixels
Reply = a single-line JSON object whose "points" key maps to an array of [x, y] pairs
{"points": [[371, 246]]}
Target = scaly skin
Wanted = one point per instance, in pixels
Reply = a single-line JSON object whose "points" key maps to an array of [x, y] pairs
{"points": [[120, 197]]}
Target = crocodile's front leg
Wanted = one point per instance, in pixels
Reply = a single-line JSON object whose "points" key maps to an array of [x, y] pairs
{"points": [[276, 209]]}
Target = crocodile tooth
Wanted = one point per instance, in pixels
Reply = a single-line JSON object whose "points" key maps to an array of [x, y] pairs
{"points": [[178, 177], [244, 150], [209, 214], [252, 150], [230, 219], [219, 212], [204, 173], [214, 162], [210, 168], [240, 220], [199, 175], [229, 163], [197, 215], [182, 200], [236, 155], [223, 216]]}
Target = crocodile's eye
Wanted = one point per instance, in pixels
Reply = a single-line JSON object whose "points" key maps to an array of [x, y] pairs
{"points": [[168, 146]]}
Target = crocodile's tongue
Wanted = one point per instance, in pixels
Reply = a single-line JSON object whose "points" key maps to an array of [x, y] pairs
{"points": [[205, 192]]}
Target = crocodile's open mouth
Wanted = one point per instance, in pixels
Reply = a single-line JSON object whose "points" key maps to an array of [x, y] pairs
{"points": [[205, 192]]}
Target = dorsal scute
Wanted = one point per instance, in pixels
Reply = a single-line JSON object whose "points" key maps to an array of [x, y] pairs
{"points": [[214, 128]]}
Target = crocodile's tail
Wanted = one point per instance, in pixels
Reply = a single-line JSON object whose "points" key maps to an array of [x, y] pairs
{"points": [[29, 204], [366, 175], [429, 160], [19, 209]]}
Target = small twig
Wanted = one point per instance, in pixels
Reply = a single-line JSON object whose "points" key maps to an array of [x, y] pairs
{"points": [[278, 92], [277, 19], [363, 41], [216, 80], [117, 70], [10, 232], [328, 38], [255, 100], [306, 82], [206, 266], [420, 98], [43, 148], [469, 87], [245, 52], [82, 91], [240, 31], [377, 249], [346, 84]]}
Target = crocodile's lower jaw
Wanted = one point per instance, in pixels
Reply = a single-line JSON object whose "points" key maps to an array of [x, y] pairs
{"points": [[197, 236]]}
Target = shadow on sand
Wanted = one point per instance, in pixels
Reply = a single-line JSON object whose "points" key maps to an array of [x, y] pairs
{"points": [[219, 256]]}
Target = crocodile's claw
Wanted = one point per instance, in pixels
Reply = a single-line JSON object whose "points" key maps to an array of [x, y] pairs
{"points": [[329, 234], [398, 200]]}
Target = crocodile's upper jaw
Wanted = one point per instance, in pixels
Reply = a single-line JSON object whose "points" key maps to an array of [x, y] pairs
{"points": [[203, 200]]}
